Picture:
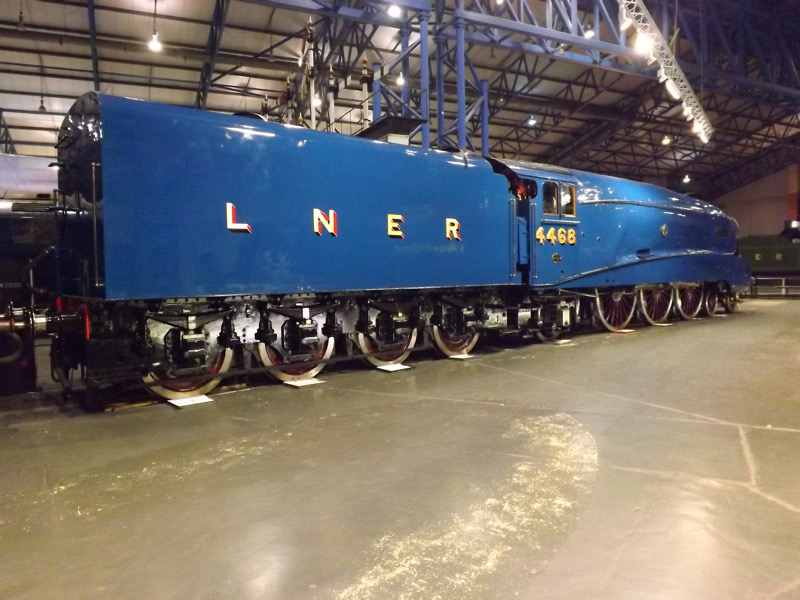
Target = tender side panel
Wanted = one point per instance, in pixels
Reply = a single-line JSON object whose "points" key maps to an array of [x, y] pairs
{"points": [[325, 212]]}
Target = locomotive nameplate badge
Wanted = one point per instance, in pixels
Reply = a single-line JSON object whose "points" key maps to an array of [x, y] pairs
{"points": [[230, 213], [555, 236]]}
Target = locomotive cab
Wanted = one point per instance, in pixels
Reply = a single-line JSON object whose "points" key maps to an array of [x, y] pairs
{"points": [[555, 227], [547, 210]]}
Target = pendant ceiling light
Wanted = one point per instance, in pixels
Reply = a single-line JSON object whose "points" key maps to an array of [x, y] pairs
{"points": [[154, 44]]}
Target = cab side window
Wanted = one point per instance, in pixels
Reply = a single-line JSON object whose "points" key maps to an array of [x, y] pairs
{"points": [[523, 189], [568, 200], [550, 192]]}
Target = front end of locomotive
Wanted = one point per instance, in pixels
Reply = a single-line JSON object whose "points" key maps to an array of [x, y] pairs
{"points": [[650, 235]]}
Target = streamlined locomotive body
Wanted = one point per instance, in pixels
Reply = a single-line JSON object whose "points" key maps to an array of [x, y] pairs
{"points": [[197, 243]]}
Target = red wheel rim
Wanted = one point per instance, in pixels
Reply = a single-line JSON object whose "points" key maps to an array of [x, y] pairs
{"points": [[389, 355], [188, 385], [298, 368], [656, 303], [689, 300], [616, 308]]}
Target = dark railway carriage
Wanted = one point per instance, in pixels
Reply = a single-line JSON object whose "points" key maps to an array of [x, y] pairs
{"points": [[26, 227], [773, 255], [198, 242]]}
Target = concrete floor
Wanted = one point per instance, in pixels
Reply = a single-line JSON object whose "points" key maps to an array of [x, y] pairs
{"points": [[658, 464]]}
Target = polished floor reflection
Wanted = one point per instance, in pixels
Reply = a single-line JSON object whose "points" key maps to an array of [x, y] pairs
{"points": [[657, 464]]}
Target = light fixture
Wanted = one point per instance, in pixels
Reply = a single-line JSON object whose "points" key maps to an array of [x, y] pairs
{"points": [[531, 121], [703, 137], [499, 2], [686, 178], [317, 101], [654, 48], [666, 140], [672, 88], [394, 11], [589, 34], [625, 20], [643, 44], [42, 107], [401, 80], [154, 44]]}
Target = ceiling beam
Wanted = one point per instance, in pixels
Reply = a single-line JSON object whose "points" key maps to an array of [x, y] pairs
{"points": [[212, 49]]}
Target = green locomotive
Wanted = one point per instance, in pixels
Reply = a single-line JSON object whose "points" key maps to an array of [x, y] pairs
{"points": [[774, 255]]}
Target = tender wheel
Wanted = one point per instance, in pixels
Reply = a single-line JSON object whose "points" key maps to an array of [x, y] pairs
{"points": [[450, 343], [176, 389], [289, 371], [177, 349], [297, 347], [370, 348], [655, 303], [710, 302], [614, 309], [688, 300]]}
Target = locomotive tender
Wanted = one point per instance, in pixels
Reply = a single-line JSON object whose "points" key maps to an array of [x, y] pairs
{"points": [[192, 244]]}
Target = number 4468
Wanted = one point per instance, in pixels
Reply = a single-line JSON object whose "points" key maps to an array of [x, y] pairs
{"points": [[561, 236]]}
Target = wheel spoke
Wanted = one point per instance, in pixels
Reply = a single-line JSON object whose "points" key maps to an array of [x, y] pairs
{"points": [[615, 308], [689, 300], [655, 304], [710, 301]]}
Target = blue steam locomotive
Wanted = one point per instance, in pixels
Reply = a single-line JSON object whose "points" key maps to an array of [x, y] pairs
{"points": [[191, 244]]}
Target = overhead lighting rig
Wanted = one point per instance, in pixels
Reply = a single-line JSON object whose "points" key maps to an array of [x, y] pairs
{"points": [[634, 12]]}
